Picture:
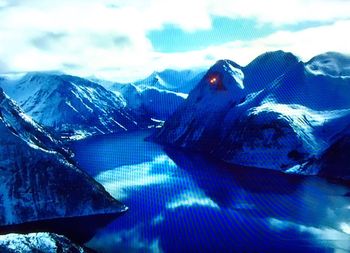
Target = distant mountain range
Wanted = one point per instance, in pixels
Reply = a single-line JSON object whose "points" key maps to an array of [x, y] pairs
{"points": [[75, 107], [159, 95], [277, 113], [150, 102], [182, 81], [72, 106]]}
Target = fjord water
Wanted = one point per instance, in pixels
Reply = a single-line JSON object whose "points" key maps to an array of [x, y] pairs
{"points": [[183, 202]]}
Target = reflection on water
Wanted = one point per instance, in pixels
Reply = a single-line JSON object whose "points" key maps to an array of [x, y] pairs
{"points": [[183, 202], [337, 239], [117, 181], [191, 198]]}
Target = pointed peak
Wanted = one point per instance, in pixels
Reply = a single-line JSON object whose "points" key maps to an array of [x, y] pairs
{"points": [[224, 75], [226, 62], [154, 74], [36, 76], [274, 58], [43, 74]]}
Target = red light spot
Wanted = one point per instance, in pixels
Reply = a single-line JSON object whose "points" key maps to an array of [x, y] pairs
{"points": [[213, 80]]}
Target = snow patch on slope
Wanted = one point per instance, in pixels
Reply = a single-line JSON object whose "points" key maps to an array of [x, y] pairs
{"points": [[38, 242]]}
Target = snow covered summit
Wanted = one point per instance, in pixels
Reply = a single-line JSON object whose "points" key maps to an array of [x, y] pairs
{"points": [[181, 81], [277, 112]]}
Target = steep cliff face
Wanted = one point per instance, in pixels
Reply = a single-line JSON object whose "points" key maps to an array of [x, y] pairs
{"points": [[275, 113], [37, 179]]}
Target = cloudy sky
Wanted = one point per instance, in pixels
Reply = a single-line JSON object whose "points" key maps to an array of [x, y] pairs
{"points": [[123, 40]]}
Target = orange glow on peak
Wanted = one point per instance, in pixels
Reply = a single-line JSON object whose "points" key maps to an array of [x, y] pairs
{"points": [[213, 80]]}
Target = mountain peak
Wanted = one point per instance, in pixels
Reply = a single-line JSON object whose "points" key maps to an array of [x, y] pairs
{"points": [[172, 80], [332, 54], [225, 62], [273, 59], [39, 75], [267, 67], [47, 81], [225, 75], [330, 63]]}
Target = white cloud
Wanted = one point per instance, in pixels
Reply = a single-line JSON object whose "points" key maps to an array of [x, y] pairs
{"points": [[334, 238], [108, 38], [126, 240], [345, 227], [304, 43], [283, 12]]}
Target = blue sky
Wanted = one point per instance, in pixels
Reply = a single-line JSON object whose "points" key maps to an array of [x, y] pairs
{"points": [[172, 39], [123, 40]]}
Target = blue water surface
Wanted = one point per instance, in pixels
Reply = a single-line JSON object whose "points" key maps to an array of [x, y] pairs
{"points": [[184, 202]]}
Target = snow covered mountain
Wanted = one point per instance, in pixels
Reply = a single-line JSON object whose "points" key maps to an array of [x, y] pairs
{"points": [[150, 101], [158, 95], [39, 242], [182, 81], [330, 63], [70, 105], [38, 180], [277, 112]]}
